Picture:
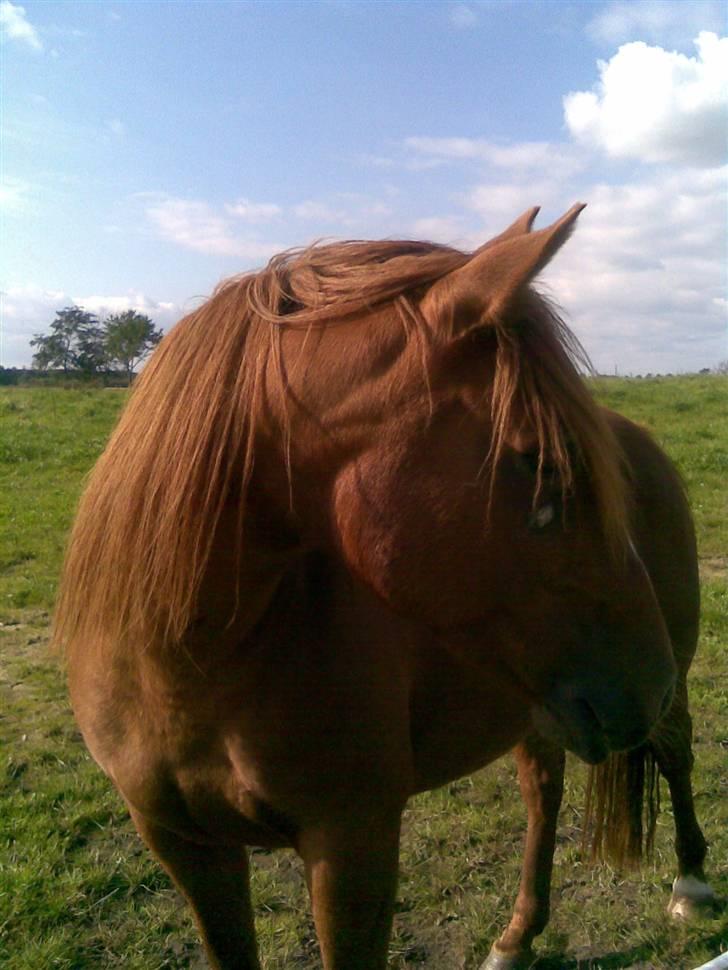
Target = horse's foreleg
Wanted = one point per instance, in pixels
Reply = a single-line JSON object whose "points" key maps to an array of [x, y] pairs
{"points": [[691, 893], [351, 871], [541, 776], [215, 882]]}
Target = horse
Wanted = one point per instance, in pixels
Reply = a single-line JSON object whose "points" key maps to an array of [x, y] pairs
{"points": [[360, 523], [623, 791]]}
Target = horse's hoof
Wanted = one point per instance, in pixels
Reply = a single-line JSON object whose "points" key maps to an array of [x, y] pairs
{"points": [[498, 960], [691, 899]]}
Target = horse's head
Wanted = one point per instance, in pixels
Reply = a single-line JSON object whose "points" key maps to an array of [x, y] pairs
{"points": [[489, 503]]}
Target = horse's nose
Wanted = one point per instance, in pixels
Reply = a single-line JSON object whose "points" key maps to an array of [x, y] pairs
{"points": [[629, 731], [624, 737]]}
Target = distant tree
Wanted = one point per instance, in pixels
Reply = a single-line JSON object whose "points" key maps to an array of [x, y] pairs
{"points": [[75, 342], [9, 375], [722, 367], [54, 351], [91, 353], [129, 338]]}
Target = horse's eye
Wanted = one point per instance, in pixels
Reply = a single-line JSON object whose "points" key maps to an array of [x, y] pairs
{"points": [[530, 460], [542, 516]]}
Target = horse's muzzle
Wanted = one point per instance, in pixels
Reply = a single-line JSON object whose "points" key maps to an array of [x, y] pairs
{"points": [[593, 723]]}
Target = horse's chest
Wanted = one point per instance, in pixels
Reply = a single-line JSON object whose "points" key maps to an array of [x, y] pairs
{"points": [[463, 716]]}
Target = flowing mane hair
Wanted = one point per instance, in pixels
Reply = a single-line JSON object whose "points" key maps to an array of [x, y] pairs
{"points": [[184, 445]]}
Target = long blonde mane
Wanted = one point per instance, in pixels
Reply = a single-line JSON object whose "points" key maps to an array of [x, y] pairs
{"points": [[183, 447]]}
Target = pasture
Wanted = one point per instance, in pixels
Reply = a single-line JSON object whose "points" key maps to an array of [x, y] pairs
{"points": [[77, 888]]}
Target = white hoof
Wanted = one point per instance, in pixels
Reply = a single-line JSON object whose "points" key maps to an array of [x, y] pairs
{"points": [[497, 960], [691, 898]]}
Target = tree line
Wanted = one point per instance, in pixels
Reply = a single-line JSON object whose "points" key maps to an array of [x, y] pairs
{"points": [[79, 342]]}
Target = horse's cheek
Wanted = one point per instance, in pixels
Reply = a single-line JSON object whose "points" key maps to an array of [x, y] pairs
{"points": [[367, 545], [404, 540]]}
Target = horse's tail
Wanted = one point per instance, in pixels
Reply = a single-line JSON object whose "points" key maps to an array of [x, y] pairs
{"points": [[622, 805]]}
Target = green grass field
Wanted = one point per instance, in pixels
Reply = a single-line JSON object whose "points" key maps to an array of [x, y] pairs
{"points": [[77, 888]]}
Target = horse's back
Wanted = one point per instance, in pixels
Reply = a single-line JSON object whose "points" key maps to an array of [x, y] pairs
{"points": [[663, 531]]}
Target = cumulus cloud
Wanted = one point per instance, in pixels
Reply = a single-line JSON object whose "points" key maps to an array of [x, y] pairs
{"points": [[643, 276], [15, 25], [27, 310], [659, 21], [197, 225], [656, 105], [643, 279]]}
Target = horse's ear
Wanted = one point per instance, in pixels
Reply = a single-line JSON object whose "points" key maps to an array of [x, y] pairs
{"points": [[520, 227], [482, 291]]}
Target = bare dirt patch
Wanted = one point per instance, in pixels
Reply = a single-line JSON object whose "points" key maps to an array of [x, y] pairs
{"points": [[714, 567]]}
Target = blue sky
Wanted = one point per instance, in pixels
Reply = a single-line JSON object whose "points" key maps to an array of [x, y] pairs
{"points": [[150, 149]]}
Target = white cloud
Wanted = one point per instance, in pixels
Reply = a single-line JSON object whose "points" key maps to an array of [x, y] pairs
{"points": [[27, 310], [659, 21], [462, 16], [164, 313], [448, 147], [13, 194], [196, 225], [254, 211], [643, 277], [193, 225], [498, 203], [320, 212], [561, 161], [443, 229], [656, 105], [15, 25], [217, 231], [350, 212]]}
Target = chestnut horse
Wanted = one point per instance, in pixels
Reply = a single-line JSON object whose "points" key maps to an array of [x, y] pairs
{"points": [[623, 792], [359, 521]]}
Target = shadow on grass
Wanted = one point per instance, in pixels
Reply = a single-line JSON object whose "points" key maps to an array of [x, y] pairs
{"points": [[636, 958]]}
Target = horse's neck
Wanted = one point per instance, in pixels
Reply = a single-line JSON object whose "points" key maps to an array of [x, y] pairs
{"points": [[249, 556], [304, 436]]}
